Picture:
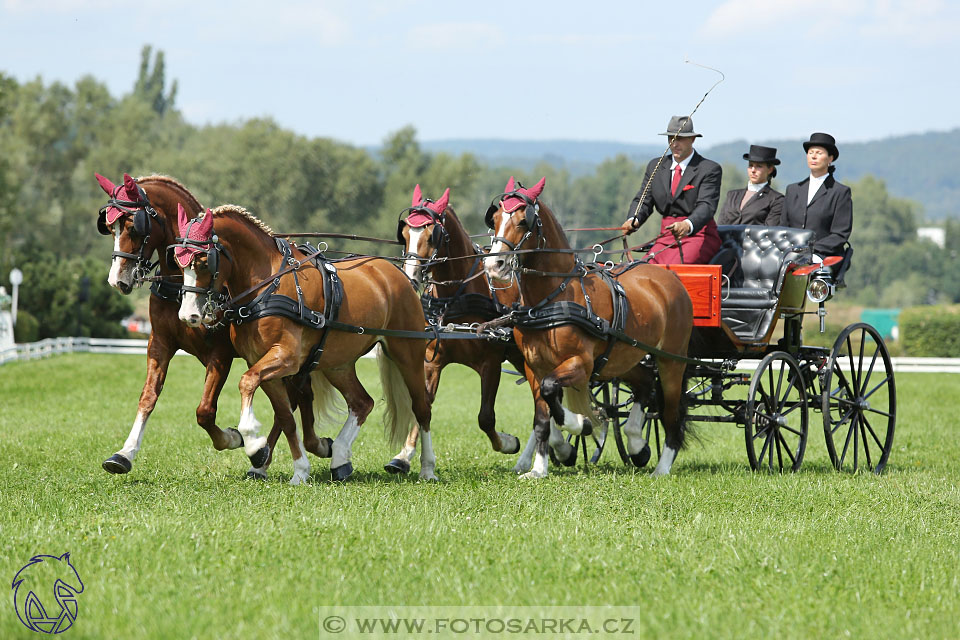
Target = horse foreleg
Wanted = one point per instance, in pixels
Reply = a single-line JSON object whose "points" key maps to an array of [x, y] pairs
{"points": [[276, 363], [541, 428], [489, 371], [671, 382], [159, 353], [218, 368], [408, 356]]}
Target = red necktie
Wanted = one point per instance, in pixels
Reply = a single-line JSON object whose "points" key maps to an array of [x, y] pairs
{"points": [[676, 180]]}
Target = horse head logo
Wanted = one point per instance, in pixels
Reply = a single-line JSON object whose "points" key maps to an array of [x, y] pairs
{"points": [[55, 580]]}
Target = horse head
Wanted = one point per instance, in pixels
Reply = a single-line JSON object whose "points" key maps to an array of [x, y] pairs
{"points": [[514, 217], [198, 252], [422, 233], [136, 229]]}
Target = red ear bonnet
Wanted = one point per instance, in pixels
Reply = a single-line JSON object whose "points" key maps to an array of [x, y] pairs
{"points": [[512, 203], [106, 185], [417, 219], [197, 230], [126, 192]]}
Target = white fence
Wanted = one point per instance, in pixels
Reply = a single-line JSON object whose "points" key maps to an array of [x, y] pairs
{"points": [[53, 346]]}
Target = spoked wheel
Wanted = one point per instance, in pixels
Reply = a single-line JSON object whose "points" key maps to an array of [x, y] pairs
{"points": [[775, 420], [651, 427], [859, 400]]}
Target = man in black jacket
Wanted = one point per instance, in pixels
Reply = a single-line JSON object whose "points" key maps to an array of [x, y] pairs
{"points": [[819, 202], [685, 189]]}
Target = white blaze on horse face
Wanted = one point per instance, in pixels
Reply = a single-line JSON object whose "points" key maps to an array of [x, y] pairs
{"points": [[411, 266], [490, 263], [118, 275], [190, 305]]}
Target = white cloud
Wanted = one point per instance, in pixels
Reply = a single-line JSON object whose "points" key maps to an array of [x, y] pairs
{"points": [[455, 35]]}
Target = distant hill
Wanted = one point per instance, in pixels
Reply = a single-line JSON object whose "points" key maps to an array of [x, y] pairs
{"points": [[921, 167]]}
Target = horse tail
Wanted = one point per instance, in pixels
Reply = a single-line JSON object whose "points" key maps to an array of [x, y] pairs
{"points": [[398, 417], [329, 407], [578, 401]]}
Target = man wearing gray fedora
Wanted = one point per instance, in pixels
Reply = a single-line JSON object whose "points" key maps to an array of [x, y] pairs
{"points": [[685, 189]]}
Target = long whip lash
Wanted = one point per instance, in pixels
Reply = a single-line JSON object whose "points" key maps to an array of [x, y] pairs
{"points": [[646, 187]]}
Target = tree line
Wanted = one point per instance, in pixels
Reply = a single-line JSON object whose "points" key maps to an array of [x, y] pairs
{"points": [[54, 138]]}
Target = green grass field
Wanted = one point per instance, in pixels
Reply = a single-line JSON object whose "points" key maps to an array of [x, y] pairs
{"points": [[184, 547]]}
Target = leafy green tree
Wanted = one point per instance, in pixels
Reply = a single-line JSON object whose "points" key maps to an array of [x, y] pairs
{"points": [[151, 83]]}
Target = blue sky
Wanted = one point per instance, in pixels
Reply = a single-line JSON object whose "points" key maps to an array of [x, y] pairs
{"points": [[357, 70]]}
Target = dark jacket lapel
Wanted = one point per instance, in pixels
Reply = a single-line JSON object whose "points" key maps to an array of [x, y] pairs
{"points": [[689, 174], [822, 191]]}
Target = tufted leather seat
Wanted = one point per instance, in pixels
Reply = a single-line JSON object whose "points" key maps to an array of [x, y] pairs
{"points": [[755, 258]]}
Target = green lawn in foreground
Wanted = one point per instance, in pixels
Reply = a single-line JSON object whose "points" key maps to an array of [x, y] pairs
{"points": [[184, 547]]}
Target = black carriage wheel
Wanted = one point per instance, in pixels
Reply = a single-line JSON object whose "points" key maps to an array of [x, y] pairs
{"points": [[651, 428], [859, 400], [775, 416]]}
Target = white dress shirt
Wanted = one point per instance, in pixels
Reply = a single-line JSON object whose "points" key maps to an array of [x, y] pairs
{"points": [[683, 168], [815, 186]]}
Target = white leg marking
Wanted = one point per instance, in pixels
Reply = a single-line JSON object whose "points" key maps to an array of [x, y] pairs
{"points": [[526, 458], [406, 454], [666, 461], [132, 446], [558, 443], [572, 422], [301, 466], [541, 465], [634, 430], [343, 444], [249, 428], [428, 461]]}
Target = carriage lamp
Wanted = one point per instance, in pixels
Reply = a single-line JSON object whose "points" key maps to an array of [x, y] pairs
{"points": [[819, 290]]}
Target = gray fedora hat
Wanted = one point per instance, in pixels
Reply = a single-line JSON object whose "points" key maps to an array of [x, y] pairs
{"points": [[682, 127]]}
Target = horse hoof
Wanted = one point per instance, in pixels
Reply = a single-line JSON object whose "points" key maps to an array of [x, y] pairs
{"points": [[254, 474], [570, 459], [509, 444], [259, 459], [326, 448], [239, 437], [641, 459], [397, 466], [117, 464], [341, 473]]}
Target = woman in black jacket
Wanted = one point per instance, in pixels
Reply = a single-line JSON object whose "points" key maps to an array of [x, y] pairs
{"points": [[757, 203], [821, 203]]}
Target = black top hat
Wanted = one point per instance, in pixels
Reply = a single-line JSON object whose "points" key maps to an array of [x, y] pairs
{"points": [[681, 127], [762, 154], [824, 140]]}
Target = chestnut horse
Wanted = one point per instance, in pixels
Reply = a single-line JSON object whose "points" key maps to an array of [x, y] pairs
{"points": [[563, 355], [437, 246], [141, 215], [343, 310]]}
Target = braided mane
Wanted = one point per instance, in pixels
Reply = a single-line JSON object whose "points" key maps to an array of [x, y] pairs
{"points": [[237, 210], [172, 182]]}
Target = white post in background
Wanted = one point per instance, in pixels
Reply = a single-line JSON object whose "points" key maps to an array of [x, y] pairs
{"points": [[16, 277]]}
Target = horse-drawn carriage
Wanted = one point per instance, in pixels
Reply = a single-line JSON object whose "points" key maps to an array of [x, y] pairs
{"points": [[769, 282], [631, 344]]}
